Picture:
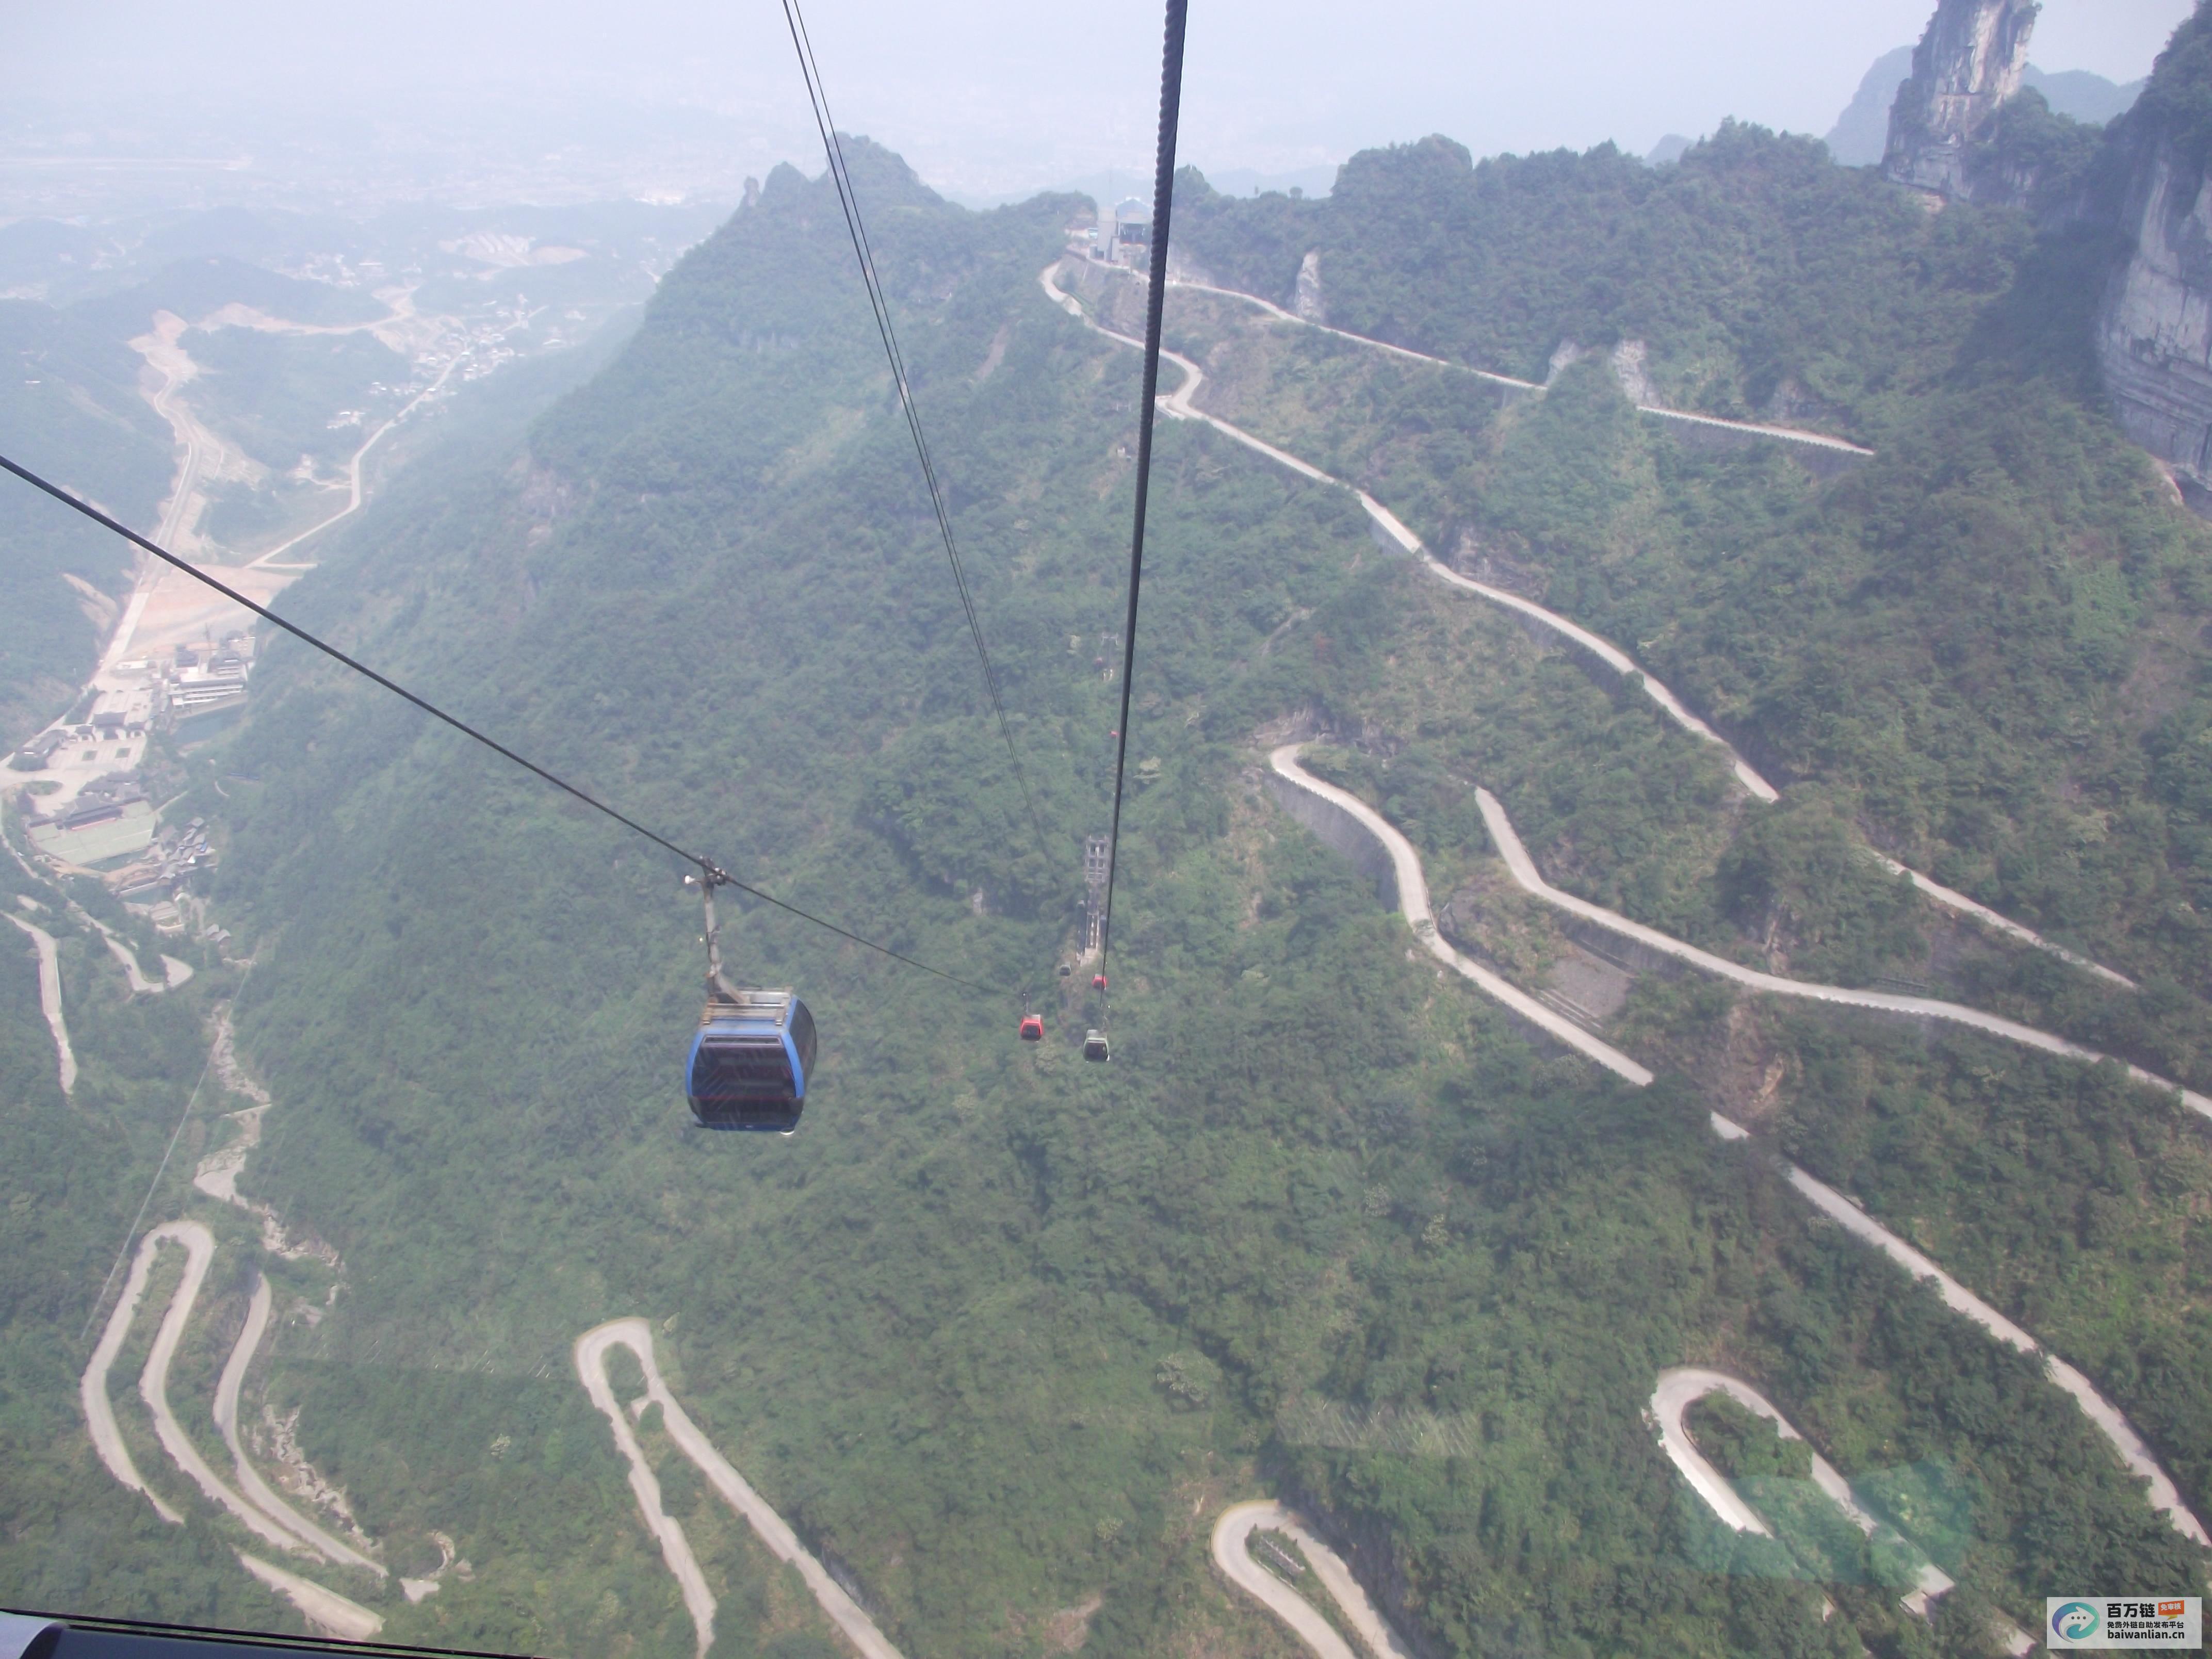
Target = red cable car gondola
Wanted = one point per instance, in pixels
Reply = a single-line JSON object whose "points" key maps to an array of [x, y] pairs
{"points": [[1033, 1028]]}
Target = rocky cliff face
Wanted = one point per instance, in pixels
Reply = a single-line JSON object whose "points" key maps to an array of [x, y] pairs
{"points": [[2155, 327], [1967, 64]]}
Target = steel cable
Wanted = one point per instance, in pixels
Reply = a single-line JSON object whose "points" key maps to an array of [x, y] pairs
{"points": [[864, 251], [1163, 201]]}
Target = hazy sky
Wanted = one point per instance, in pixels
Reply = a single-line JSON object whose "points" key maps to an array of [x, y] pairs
{"points": [[989, 95]]}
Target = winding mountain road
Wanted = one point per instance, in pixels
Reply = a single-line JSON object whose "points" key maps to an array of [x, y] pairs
{"points": [[154, 1381], [173, 972], [355, 495], [50, 999], [1179, 405], [1413, 890], [257, 1490], [99, 1409], [1531, 880], [1786, 434], [1680, 1387], [1413, 901], [592, 1352], [2111, 1421], [258, 1508], [1232, 1553]]}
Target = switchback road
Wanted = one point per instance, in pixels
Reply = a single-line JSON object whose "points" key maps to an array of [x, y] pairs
{"points": [[258, 1509], [592, 1352], [1232, 1553], [1786, 434], [1525, 873], [1413, 890], [1180, 405]]}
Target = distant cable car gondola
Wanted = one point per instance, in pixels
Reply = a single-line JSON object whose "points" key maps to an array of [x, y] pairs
{"points": [[1033, 1028], [1094, 1046], [753, 1052]]}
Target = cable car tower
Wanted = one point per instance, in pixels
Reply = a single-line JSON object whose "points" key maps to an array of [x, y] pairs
{"points": [[1094, 900]]}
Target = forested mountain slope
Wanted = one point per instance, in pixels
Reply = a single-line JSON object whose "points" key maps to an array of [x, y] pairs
{"points": [[997, 1331], [1987, 640], [1763, 277], [69, 407]]}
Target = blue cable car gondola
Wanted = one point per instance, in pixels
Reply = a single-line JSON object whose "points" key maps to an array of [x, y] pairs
{"points": [[754, 1050], [750, 1061]]}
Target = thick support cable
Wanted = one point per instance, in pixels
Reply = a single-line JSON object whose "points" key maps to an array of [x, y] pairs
{"points": [[848, 200], [708, 868], [1155, 308]]}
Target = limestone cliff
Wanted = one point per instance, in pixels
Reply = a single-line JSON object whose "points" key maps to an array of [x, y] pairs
{"points": [[2155, 327], [2155, 322], [1967, 64]]}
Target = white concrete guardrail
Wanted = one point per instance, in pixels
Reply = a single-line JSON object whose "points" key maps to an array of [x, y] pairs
{"points": [[1232, 1553], [1179, 405], [592, 1352], [1413, 890]]}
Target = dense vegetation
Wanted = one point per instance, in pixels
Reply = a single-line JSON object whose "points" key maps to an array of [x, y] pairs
{"points": [[999, 1332], [1764, 279], [2113, 1263], [1982, 645]]}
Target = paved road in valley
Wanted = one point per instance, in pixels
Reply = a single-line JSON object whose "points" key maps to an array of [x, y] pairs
{"points": [[162, 351], [592, 1352]]}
